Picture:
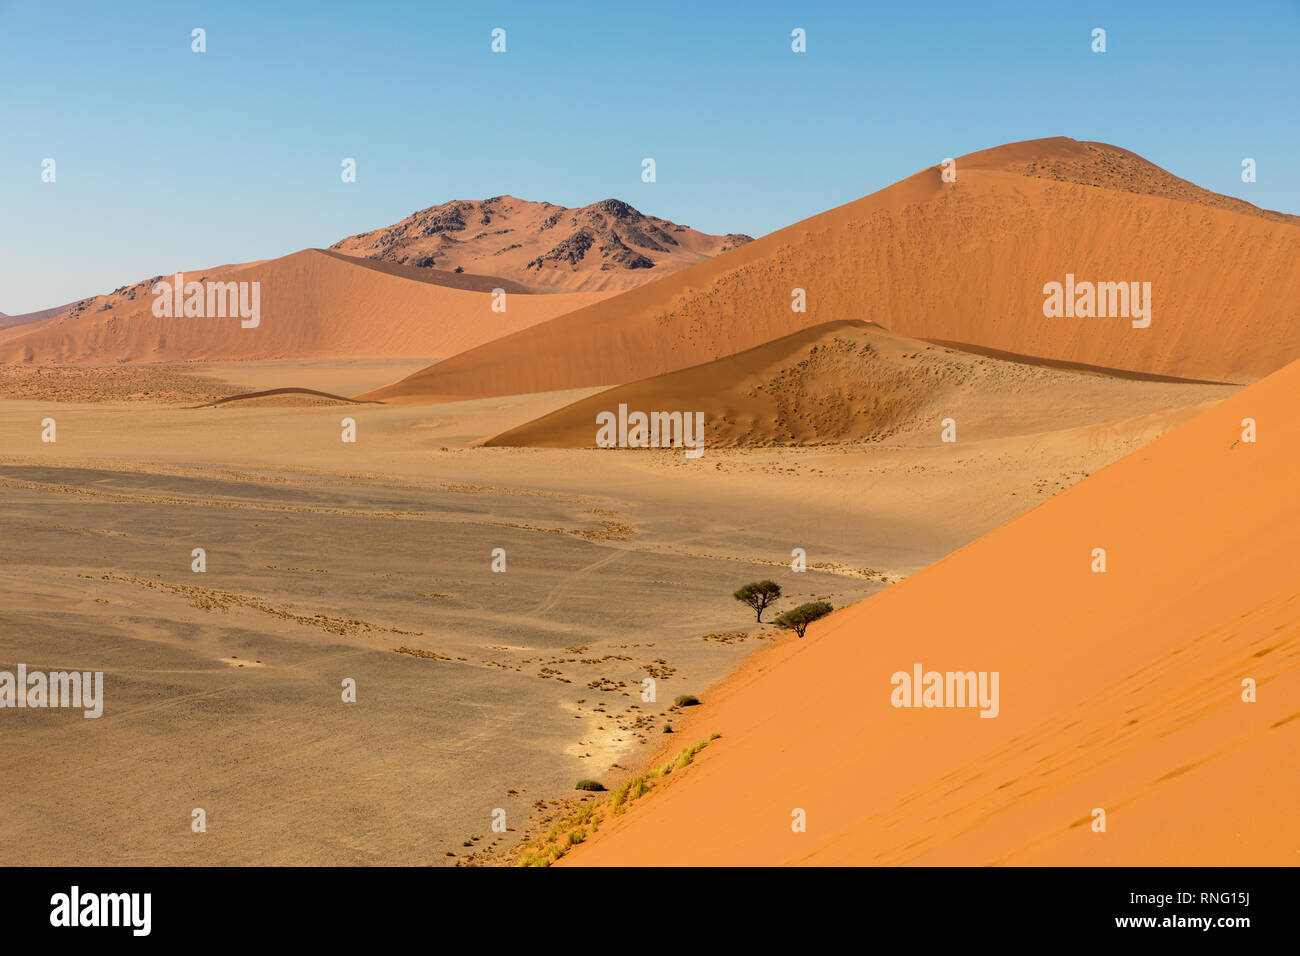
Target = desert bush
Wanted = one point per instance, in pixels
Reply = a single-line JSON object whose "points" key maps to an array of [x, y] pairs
{"points": [[799, 618], [758, 595]]}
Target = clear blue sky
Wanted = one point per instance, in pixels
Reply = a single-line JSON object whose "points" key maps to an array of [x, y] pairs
{"points": [[168, 159]]}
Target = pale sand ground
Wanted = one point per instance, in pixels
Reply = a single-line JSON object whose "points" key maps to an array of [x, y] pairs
{"points": [[324, 557]]}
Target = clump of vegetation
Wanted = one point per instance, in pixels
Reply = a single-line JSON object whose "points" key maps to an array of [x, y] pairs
{"points": [[725, 637], [799, 618], [759, 595], [686, 700], [589, 785], [668, 728], [574, 828]]}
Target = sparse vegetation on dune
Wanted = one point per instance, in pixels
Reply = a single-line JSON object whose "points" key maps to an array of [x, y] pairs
{"points": [[575, 827]]}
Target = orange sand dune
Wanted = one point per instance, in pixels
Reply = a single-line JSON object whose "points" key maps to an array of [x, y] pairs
{"points": [[1119, 690], [963, 262], [607, 246], [314, 304], [855, 382]]}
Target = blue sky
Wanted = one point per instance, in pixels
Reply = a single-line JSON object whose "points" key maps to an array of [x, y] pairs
{"points": [[168, 159]]}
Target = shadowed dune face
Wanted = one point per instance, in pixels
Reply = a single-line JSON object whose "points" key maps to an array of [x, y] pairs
{"points": [[466, 281], [607, 246], [856, 382], [1120, 691], [965, 261], [313, 304]]}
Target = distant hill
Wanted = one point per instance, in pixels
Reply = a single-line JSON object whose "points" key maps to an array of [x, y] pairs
{"points": [[607, 246]]}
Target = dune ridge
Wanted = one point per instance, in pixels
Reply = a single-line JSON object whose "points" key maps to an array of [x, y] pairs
{"points": [[1107, 167], [9, 321], [1120, 691], [893, 258], [294, 391]]}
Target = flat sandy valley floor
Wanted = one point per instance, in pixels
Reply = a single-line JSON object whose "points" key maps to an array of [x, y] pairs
{"points": [[475, 690]]}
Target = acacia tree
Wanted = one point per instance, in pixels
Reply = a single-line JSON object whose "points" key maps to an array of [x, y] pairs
{"points": [[799, 618], [759, 595]]}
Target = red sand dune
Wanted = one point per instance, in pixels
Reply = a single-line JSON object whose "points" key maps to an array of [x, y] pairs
{"points": [[835, 382], [855, 382], [1119, 690], [314, 304], [963, 262], [607, 246]]}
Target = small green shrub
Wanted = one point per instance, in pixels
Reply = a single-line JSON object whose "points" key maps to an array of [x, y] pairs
{"points": [[798, 619]]}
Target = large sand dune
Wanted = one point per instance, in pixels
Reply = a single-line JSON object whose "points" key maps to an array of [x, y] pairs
{"points": [[856, 382], [313, 304], [607, 246], [965, 261], [1119, 690]]}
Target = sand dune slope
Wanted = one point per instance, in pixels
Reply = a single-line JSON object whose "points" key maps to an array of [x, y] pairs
{"points": [[314, 304], [1119, 690], [964, 262], [854, 382]]}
